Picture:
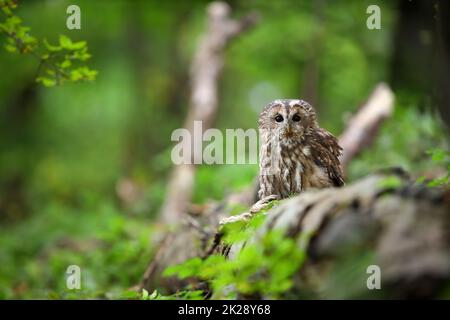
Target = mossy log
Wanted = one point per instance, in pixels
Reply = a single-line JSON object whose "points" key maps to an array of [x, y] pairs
{"points": [[385, 220]]}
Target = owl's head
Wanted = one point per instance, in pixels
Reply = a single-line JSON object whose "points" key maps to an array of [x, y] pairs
{"points": [[288, 119]]}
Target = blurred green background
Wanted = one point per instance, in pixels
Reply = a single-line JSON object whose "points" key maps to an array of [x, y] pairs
{"points": [[83, 167]]}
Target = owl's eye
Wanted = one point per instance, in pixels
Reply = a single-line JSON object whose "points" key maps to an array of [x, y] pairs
{"points": [[279, 118], [296, 118]]}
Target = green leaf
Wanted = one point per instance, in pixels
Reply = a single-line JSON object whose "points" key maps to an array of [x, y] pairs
{"points": [[154, 295], [186, 269], [438, 155], [50, 47], [65, 42], [130, 295], [390, 182], [442, 181], [420, 179], [10, 48], [13, 21], [78, 45], [66, 64], [46, 81], [144, 294], [192, 295]]}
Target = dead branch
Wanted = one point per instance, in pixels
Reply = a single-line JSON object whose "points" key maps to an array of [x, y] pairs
{"points": [[204, 76], [362, 128]]}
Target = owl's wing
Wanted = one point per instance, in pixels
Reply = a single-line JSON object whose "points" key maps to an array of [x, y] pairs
{"points": [[325, 152]]}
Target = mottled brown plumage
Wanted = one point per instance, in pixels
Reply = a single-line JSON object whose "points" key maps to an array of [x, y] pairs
{"points": [[296, 154]]}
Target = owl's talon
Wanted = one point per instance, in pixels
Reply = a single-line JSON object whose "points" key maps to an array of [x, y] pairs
{"points": [[258, 206], [263, 203], [242, 217]]}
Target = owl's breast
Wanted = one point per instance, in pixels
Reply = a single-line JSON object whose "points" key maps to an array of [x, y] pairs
{"points": [[290, 173], [281, 175]]}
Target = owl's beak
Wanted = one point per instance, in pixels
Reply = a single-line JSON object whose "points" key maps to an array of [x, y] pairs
{"points": [[289, 133]]}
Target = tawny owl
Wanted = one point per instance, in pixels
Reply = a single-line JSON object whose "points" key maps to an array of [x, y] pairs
{"points": [[296, 154]]}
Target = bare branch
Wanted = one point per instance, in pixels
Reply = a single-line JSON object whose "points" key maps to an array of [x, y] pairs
{"points": [[362, 128], [204, 77]]}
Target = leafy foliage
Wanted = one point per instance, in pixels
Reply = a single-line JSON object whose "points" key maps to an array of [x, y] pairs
{"points": [[265, 268], [110, 249], [439, 157], [183, 295], [57, 63], [421, 130]]}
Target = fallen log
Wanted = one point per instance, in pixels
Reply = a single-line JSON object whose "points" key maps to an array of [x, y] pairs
{"points": [[403, 225]]}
